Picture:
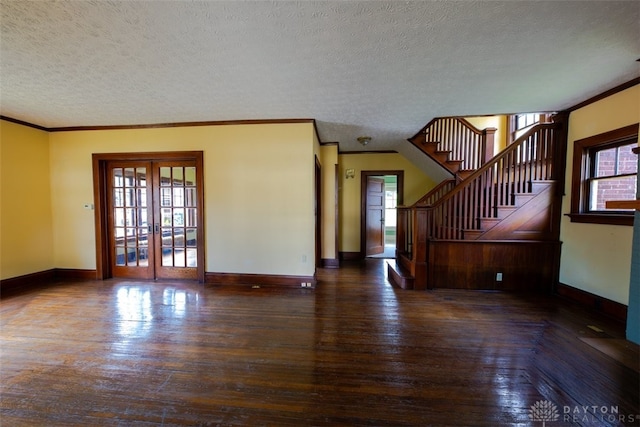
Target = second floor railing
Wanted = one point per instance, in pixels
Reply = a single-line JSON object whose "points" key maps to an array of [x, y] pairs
{"points": [[460, 139]]}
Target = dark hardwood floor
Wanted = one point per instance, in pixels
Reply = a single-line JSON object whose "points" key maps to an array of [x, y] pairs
{"points": [[353, 351]]}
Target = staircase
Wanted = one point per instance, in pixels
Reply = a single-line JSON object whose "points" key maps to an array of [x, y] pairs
{"points": [[495, 223], [455, 144]]}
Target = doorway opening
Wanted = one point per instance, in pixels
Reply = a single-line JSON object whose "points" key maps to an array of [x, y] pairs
{"points": [[381, 194]]}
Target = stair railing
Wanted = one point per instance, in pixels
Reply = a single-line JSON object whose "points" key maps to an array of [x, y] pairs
{"points": [[536, 156], [463, 141], [436, 193], [533, 156], [406, 214]]}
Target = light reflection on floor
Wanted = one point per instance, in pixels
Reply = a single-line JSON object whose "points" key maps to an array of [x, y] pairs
{"points": [[141, 307]]}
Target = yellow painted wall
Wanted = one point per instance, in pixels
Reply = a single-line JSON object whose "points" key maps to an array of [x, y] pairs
{"points": [[258, 183], [416, 185], [597, 258], [329, 156], [26, 234], [498, 122]]}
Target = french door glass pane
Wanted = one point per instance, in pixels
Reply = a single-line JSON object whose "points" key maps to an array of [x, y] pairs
{"points": [[142, 197], [165, 176], [119, 232], [190, 176], [178, 237], [118, 197], [178, 197], [190, 196], [191, 217], [129, 197], [178, 176], [165, 197], [165, 217], [167, 238], [132, 259], [192, 237], [142, 217], [129, 177], [143, 238], [192, 261], [143, 257], [167, 257], [120, 255], [179, 258], [130, 216], [178, 217]]}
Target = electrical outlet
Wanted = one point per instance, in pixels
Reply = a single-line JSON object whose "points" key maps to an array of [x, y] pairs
{"points": [[498, 277]]}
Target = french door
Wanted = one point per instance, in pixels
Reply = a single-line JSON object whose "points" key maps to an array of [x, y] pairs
{"points": [[152, 218]]}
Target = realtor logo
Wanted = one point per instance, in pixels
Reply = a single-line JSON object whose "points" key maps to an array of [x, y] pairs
{"points": [[544, 411]]}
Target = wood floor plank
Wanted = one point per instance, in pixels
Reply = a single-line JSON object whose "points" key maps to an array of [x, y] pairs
{"points": [[352, 351]]}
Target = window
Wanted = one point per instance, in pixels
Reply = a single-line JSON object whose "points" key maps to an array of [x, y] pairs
{"points": [[526, 120], [613, 175], [521, 123], [605, 168]]}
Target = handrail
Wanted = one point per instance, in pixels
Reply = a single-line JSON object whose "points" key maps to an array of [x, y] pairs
{"points": [[463, 142], [461, 119], [436, 193]]}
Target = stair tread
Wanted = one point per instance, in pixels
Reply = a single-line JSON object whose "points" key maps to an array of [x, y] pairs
{"points": [[399, 275], [490, 219], [400, 270]]}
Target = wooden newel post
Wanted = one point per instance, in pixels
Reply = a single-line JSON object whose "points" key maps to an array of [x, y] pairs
{"points": [[420, 247], [488, 147], [560, 143], [401, 232]]}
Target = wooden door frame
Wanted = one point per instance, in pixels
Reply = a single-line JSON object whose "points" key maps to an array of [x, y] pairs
{"points": [[100, 183], [364, 175]]}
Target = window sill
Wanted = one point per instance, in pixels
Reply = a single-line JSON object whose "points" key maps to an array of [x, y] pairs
{"points": [[610, 219]]}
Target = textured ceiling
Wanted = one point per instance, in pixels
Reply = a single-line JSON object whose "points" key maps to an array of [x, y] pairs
{"points": [[382, 69]]}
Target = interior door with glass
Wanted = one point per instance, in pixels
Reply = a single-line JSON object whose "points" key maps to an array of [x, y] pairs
{"points": [[176, 200], [155, 231], [130, 220]]}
